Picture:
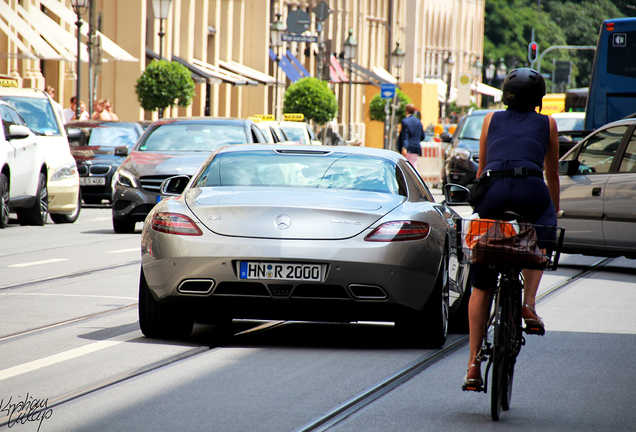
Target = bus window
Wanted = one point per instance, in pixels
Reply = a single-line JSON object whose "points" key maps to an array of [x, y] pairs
{"points": [[612, 91]]}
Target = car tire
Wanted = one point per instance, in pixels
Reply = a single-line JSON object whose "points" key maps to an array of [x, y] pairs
{"points": [[429, 327], [161, 320], [66, 218], [39, 212], [124, 226], [4, 201]]}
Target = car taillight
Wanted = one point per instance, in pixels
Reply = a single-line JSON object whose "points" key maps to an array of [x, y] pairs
{"points": [[174, 223], [399, 231]]}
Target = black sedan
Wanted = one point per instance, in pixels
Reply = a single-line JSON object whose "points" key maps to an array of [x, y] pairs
{"points": [[97, 147], [170, 147]]}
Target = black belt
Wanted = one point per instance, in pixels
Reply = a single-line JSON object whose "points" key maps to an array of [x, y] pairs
{"points": [[516, 172]]}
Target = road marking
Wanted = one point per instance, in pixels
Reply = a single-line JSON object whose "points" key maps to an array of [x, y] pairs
{"points": [[125, 250], [34, 263], [64, 356]]}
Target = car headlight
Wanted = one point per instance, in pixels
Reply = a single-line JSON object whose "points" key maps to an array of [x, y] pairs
{"points": [[65, 171], [124, 178], [460, 153]]}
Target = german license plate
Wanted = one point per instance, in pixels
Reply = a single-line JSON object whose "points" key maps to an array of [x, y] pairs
{"points": [[280, 271], [92, 181]]}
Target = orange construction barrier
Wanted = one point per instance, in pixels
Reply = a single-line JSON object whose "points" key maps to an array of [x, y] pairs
{"points": [[431, 163]]}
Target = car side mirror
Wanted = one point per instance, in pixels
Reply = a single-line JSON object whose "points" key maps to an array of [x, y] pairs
{"points": [[121, 150], [174, 185], [569, 167], [455, 194], [18, 132], [446, 137]]}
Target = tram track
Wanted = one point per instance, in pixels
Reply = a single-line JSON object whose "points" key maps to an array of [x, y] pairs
{"points": [[337, 415]]}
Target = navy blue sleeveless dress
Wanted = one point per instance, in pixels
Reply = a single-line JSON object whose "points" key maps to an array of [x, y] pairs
{"points": [[514, 140]]}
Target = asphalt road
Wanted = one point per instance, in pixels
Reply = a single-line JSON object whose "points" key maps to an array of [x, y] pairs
{"points": [[69, 333]]}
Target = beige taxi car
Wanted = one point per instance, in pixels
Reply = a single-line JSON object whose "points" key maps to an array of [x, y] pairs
{"points": [[36, 108]]}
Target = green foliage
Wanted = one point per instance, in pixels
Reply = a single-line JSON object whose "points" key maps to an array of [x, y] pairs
{"points": [[377, 107], [164, 84], [313, 98], [509, 24]]}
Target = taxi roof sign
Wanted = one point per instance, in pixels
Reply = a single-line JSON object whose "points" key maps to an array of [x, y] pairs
{"points": [[265, 117], [294, 117], [8, 81]]}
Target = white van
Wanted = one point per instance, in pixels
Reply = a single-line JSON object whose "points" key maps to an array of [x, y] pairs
{"points": [[36, 107]]}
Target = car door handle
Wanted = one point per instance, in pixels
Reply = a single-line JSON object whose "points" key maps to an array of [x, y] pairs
{"points": [[596, 191]]}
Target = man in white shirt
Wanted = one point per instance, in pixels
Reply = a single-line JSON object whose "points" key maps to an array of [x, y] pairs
{"points": [[69, 113]]}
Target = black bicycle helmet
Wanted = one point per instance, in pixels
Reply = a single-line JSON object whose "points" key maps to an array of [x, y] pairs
{"points": [[523, 89]]}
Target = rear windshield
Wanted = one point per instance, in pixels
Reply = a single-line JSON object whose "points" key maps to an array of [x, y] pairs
{"points": [[111, 136], [200, 137], [295, 134], [317, 170], [37, 112]]}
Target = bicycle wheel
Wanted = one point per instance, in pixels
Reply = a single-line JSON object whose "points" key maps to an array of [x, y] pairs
{"points": [[513, 340], [499, 376]]}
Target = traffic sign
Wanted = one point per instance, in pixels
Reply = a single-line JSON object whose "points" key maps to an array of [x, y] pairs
{"points": [[321, 11], [387, 90], [298, 21], [299, 38]]}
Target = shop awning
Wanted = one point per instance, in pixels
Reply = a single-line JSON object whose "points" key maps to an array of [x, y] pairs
{"points": [[286, 65], [304, 72], [370, 77], [40, 48], [384, 74], [112, 51], [487, 90], [336, 72], [248, 72], [223, 74], [199, 76]]}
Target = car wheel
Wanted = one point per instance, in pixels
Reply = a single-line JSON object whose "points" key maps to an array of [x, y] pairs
{"points": [[63, 218], [4, 201], [37, 214], [123, 226], [157, 320], [429, 327]]}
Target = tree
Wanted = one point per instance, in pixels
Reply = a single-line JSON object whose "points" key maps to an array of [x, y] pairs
{"points": [[509, 25], [377, 107], [312, 98], [164, 84]]}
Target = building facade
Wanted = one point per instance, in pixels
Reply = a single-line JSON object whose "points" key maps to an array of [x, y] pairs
{"points": [[226, 45]]}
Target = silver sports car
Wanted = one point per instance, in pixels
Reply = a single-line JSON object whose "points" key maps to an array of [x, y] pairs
{"points": [[338, 234]]}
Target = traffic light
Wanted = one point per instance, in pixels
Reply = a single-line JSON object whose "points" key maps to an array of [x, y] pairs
{"points": [[533, 52]]}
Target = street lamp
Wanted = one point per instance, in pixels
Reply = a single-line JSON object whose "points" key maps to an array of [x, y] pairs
{"points": [[79, 6], [490, 71], [161, 9], [276, 31], [502, 70], [448, 70], [350, 47], [398, 58]]}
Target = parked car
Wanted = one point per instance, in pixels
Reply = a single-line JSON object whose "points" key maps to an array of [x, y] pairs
{"points": [[36, 108], [301, 233], [462, 154], [272, 131], [170, 147], [23, 187], [97, 148], [598, 192], [298, 131]]}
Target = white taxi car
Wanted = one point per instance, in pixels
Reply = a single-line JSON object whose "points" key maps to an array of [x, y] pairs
{"points": [[297, 130], [23, 169], [36, 108]]}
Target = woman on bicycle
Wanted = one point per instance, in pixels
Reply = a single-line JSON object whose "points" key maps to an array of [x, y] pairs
{"points": [[519, 143]]}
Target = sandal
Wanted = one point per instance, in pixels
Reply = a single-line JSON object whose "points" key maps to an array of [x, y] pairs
{"points": [[534, 325], [471, 383]]}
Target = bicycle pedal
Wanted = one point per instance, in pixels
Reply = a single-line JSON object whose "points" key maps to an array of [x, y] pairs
{"points": [[534, 330]]}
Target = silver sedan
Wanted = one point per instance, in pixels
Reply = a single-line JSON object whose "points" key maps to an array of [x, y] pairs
{"points": [[339, 234]]}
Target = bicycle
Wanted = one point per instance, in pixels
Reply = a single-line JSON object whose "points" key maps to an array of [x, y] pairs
{"points": [[508, 251]]}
